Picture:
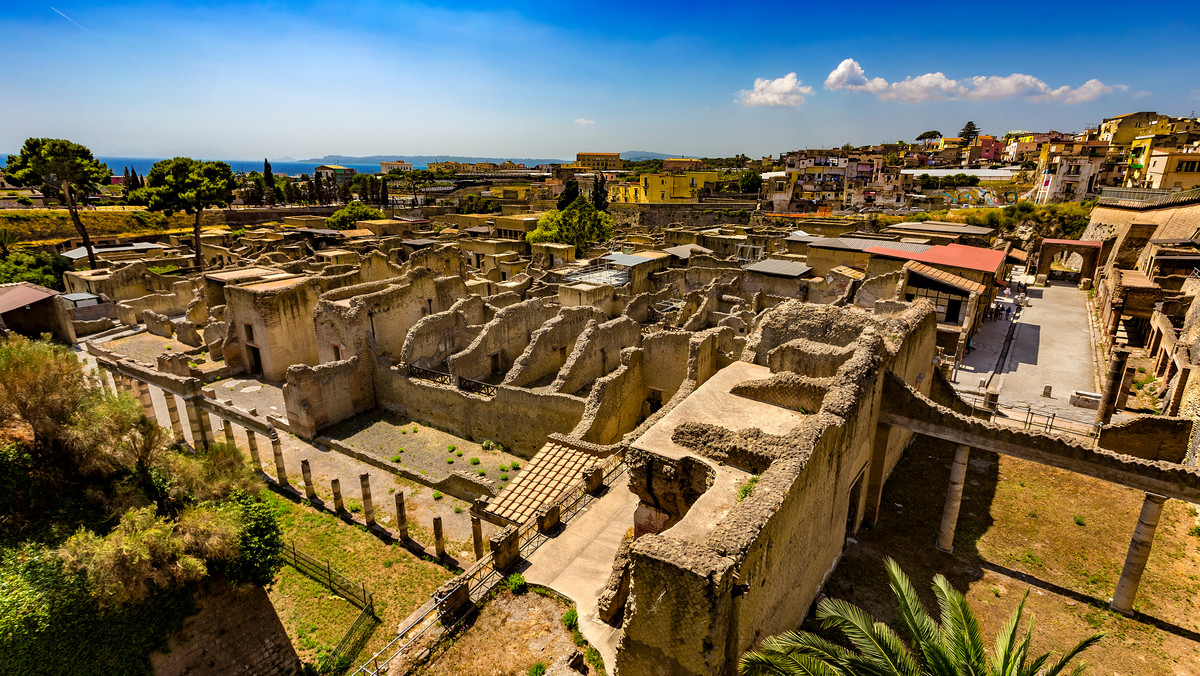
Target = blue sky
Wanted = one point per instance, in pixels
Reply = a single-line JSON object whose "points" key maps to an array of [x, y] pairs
{"points": [[245, 80]]}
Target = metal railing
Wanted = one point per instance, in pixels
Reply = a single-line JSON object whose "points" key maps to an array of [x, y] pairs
{"points": [[483, 577], [430, 375], [469, 385], [356, 593]]}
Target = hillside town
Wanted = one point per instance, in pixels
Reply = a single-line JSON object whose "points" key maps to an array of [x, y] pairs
{"points": [[687, 399]]}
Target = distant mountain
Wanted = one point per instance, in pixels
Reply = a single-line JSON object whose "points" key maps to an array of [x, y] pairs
{"points": [[641, 155], [423, 160]]}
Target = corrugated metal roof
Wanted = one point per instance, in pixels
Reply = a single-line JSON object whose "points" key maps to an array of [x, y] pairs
{"points": [[944, 277], [862, 244], [951, 255], [941, 226], [780, 268], [13, 296], [628, 260], [81, 252]]}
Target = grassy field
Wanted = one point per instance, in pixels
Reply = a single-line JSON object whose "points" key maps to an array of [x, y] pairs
{"points": [[1060, 536], [41, 225], [400, 581]]}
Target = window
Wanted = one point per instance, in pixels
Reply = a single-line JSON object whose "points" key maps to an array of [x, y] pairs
{"points": [[249, 331], [337, 352], [1188, 166]]}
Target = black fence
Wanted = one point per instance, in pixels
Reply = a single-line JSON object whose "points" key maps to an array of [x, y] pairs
{"points": [[356, 593], [430, 375], [468, 385]]}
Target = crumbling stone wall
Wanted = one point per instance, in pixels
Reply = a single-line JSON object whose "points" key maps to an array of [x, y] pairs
{"points": [[597, 352], [550, 346], [1151, 438], [879, 287], [170, 303], [783, 540], [316, 397], [436, 337], [520, 419], [507, 335]]}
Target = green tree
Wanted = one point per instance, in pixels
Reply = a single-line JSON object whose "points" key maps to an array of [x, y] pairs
{"points": [[579, 225], [749, 181], [347, 216], [569, 193], [929, 136], [952, 647], [65, 167], [269, 193], [969, 133], [600, 192], [8, 239], [40, 267], [187, 185], [847, 147]]}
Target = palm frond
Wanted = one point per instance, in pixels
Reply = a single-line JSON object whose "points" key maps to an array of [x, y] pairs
{"points": [[756, 663], [1072, 654], [1003, 657], [805, 643], [962, 629], [874, 640], [927, 636]]}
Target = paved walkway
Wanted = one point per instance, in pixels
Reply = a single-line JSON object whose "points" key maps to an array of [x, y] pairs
{"points": [[1052, 345], [578, 561]]}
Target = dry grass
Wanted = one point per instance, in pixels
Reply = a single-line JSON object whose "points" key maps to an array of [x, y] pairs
{"points": [[1059, 535], [509, 636]]}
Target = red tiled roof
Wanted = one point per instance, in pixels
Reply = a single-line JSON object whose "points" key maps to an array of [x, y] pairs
{"points": [[548, 475], [1080, 242], [951, 255]]}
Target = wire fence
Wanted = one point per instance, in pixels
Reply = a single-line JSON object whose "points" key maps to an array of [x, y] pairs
{"points": [[1028, 418], [483, 577], [356, 593]]}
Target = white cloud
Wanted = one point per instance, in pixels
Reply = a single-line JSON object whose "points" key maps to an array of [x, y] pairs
{"points": [[782, 91], [849, 76], [584, 121]]}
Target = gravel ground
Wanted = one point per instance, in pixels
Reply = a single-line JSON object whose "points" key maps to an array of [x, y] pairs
{"points": [[425, 449]]}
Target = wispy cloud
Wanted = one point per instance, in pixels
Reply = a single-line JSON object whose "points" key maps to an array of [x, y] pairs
{"points": [[782, 91], [584, 121], [849, 76], [68, 18]]}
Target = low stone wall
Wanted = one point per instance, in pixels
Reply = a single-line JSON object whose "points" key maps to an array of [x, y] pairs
{"points": [[319, 396]]}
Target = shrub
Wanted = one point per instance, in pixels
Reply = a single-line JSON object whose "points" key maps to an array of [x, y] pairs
{"points": [[437, 495], [414, 429], [458, 454], [571, 619], [449, 461], [1079, 520], [747, 488], [482, 472], [514, 466], [504, 477], [451, 448], [503, 468], [516, 583], [488, 445], [395, 458], [474, 461]]}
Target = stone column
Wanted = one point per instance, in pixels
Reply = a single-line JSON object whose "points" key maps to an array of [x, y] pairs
{"points": [[277, 451], [310, 490], [439, 543], [206, 422], [173, 415], [338, 505], [401, 516], [252, 444], [364, 480], [1139, 552], [200, 434], [1114, 323], [958, 477], [1112, 385], [143, 391], [229, 438], [477, 536]]}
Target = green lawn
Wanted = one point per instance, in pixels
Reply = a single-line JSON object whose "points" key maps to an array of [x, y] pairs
{"points": [[400, 581]]}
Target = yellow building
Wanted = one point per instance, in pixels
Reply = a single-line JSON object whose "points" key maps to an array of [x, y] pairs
{"points": [[948, 142], [663, 188], [599, 161], [1173, 169]]}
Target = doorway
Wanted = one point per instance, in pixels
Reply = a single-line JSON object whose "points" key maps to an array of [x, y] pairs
{"points": [[253, 360], [853, 510]]}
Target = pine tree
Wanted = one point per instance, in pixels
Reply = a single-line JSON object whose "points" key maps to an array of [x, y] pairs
{"points": [[969, 133], [313, 196], [134, 183], [569, 193], [383, 193]]}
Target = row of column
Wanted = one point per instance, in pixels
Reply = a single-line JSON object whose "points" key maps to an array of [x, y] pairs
{"points": [[1135, 559], [203, 434]]}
